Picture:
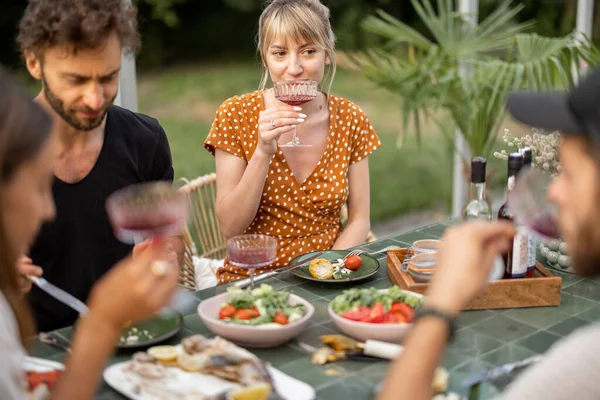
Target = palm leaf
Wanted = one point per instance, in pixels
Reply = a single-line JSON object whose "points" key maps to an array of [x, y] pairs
{"points": [[500, 54]]}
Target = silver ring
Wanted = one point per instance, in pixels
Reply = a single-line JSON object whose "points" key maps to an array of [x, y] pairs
{"points": [[159, 268], [273, 123]]}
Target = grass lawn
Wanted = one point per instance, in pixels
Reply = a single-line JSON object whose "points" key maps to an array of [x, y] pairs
{"points": [[413, 177]]}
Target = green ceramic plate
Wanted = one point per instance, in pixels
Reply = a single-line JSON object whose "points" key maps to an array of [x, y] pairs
{"points": [[369, 267], [152, 331]]}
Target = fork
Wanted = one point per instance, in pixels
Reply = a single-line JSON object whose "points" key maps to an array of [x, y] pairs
{"points": [[355, 252]]}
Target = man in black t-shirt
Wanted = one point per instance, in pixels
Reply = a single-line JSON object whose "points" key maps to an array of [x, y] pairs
{"points": [[75, 49]]}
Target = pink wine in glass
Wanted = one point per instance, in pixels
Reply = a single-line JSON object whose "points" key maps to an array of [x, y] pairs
{"points": [[146, 210], [252, 251], [296, 93], [295, 100]]}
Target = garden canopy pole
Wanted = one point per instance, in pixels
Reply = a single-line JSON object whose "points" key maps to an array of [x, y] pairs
{"points": [[127, 95], [459, 183], [585, 17]]}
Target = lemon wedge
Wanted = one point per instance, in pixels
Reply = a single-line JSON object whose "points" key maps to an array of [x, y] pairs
{"points": [[164, 353], [321, 269], [260, 391]]}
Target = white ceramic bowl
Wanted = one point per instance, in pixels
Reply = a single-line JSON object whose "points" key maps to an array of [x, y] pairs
{"points": [[392, 333], [252, 336]]}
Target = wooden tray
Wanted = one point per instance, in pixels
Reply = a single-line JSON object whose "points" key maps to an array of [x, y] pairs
{"points": [[541, 291]]}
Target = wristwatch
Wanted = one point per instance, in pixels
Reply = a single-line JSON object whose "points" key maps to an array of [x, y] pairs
{"points": [[426, 311]]}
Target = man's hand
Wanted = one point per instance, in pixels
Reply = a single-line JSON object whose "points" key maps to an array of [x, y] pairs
{"points": [[464, 262], [25, 268]]}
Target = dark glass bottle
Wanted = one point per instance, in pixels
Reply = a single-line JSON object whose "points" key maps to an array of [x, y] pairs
{"points": [[532, 247], [515, 259]]}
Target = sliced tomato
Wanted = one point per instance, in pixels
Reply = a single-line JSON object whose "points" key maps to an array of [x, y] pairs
{"points": [[390, 318], [280, 318], [254, 312], [227, 311], [404, 309], [360, 314], [377, 313], [353, 262], [244, 314]]}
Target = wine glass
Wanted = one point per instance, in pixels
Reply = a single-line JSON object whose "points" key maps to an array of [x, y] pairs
{"points": [[145, 210], [251, 252], [530, 206], [141, 211], [295, 93]]}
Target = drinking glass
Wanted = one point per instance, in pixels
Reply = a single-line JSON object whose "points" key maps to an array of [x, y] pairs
{"points": [[530, 206], [141, 211], [145, 210], [251, 252], [295, 93]]}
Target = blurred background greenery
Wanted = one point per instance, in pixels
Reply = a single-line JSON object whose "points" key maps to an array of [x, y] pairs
{"points": [[198, 53]]}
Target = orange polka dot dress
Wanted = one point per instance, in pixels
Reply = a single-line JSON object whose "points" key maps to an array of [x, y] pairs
{"points": [[305, 216]]}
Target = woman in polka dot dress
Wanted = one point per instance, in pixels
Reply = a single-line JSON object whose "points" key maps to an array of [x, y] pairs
{"points": [[293, 194]]}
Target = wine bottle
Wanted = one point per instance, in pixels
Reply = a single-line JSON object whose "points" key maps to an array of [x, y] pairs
{"points": [[532, 243], [515, 259], [477, 207]]}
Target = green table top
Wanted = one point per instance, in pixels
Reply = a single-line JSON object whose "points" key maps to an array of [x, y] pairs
{"points": [[485, 338]]}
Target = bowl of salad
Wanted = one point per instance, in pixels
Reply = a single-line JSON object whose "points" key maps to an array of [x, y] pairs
{"points": [[260, 317], [379, 314]]}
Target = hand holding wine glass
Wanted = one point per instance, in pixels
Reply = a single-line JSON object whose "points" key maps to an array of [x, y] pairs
{"points": [[129, 294], [274, 122], [296, 93]]}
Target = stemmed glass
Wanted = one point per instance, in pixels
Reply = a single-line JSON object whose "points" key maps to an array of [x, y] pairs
{"points": [[529, 203], [296, 93], [141, 211], [146, 210], [251, 252]]}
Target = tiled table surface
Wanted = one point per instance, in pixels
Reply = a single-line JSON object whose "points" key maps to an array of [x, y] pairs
{"points": [[484, 339]]}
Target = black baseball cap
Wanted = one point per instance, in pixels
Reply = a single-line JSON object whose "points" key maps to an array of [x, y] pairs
{"points": [[574, 113]]}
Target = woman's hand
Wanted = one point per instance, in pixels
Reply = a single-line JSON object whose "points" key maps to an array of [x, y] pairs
{"points": [[168, 244], [26, 268], [136, 288], [274, 122]]}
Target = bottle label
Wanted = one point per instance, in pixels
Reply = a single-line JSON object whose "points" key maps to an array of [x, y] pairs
{"points": [[520, 254], [532, 253]]}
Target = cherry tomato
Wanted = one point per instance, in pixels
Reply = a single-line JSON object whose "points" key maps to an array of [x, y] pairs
{"points": [[280, 318], [360, 314], [353, 262], [243, 314], [227, 311], [377, 313], [404, 309]]}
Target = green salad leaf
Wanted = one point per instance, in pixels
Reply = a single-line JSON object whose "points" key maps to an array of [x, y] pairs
{"points": [[368, 297], [267, 301]]}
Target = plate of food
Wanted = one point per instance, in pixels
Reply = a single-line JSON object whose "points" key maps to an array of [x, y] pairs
{"points": [[378, 314], [330, 267], [201, 369], [152, 331], [260, 317], [40, 376]]}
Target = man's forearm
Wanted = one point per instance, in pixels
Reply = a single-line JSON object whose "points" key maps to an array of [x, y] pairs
{"points": [[411, 376]]}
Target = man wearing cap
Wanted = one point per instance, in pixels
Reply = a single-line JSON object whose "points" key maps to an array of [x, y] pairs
{"points": [[569, 370]]}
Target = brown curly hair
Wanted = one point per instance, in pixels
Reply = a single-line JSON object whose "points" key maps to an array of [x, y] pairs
{"points": [[77, 24]]}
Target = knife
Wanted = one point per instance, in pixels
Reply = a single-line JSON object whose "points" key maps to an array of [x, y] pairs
{"points": [[55, 339], [60, 294], [495, 373], [242, 283]]}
